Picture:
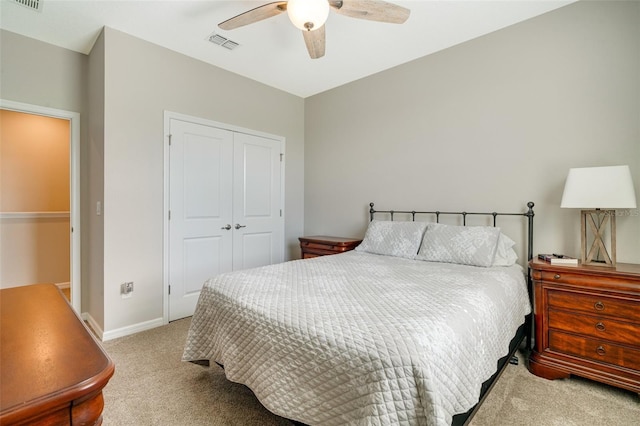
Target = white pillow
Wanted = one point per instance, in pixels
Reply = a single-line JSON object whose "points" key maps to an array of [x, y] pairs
{"points": [[505, 255], [393, 238], [465, 245]]}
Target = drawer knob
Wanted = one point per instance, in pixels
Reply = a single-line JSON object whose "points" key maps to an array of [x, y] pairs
{"points": [[599, 306], [600, 326], [600, 350], [556, 277]]}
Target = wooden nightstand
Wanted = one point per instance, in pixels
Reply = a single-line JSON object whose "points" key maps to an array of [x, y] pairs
{"points": [[587, 321], [321, 245]]}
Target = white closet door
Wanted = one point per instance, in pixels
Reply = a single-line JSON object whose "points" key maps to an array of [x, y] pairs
{"points": [[257, 218], [201, 197]]}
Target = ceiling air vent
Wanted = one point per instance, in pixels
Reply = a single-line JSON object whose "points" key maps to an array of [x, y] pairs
{"points": [[31, 4], [223, 41]]}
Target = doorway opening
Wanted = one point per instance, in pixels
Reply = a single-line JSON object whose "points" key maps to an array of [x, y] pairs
{"points": [[40, 218]]}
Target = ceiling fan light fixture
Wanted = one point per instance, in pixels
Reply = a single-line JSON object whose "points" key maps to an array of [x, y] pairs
{"points": [[308, 15]]}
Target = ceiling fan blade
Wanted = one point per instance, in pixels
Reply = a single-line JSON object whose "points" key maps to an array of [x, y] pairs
{"points": [[372, 10], [254, 15], [315, 41]]}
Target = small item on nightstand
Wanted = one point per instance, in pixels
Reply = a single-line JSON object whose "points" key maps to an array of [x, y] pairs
{"points": [[558, 259]]}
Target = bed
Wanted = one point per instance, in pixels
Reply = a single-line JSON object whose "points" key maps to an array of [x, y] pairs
{"points": [[412, 327]]}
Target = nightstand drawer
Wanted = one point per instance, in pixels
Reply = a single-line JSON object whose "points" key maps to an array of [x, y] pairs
{"points": [[594, 304], [598, 327], [308, 252], [595, 350], [321, 245], [568, 277], [307, 255], [327, 247]]}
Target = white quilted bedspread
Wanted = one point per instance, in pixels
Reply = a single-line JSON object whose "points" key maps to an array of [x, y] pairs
{"points": [[358, 338]]}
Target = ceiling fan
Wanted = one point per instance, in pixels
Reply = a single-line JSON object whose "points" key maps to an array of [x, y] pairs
{"points": [[310, 16]]}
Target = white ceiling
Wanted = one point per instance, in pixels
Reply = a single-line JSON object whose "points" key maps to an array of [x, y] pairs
{"points": [[273, 51]]}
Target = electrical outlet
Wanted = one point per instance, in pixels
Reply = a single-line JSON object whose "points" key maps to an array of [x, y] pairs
{"points": [[126, 289]]}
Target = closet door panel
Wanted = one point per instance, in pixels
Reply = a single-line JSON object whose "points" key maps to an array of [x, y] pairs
{"points": [[200, 202], [258, 225]]}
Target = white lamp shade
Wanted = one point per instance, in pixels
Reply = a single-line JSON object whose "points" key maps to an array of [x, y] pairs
{"points": [[308, 15], [599, 188]]}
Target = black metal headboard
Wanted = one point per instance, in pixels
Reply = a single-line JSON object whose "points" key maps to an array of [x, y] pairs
{"points": [[528, 214]]}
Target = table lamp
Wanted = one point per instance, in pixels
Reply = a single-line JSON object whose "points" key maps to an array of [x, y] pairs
{"points": [[598, 191]]}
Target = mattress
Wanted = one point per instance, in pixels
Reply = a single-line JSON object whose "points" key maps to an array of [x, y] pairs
{"points": [[359, 338]]}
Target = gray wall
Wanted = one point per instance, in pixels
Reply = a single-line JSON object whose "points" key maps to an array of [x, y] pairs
{"points": [[38, 73], [141, 81], [93, 297], [486, 125], [41, 74]]}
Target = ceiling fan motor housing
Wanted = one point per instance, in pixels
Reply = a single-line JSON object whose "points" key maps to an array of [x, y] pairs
{"points": [[308, 15]]}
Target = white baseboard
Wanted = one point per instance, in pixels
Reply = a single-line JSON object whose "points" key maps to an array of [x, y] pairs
{"points": [[93, 324], [132, 329], [63, 286], [120, 332]]}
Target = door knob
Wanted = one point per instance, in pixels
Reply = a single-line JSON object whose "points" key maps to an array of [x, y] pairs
{"points": [[238, 226], [226, 227]]}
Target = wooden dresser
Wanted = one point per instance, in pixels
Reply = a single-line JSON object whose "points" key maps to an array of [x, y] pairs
{"points": [[587, 321], [52, 370], [321, 245]]}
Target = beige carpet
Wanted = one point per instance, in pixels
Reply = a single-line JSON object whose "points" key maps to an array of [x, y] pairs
{"points": [[151, 386]]}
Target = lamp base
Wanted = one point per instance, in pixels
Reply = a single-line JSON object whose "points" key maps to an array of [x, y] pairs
{"points": [[596, 221]]}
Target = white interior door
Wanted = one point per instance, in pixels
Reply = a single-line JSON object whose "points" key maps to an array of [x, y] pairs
{"points": [[201, 197], [257, 216]]}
